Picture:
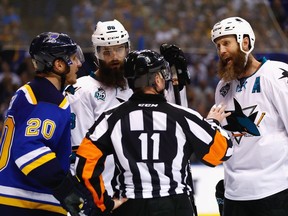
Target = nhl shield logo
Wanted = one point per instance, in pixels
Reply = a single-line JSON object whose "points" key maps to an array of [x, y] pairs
{"points": [[224, 90]]}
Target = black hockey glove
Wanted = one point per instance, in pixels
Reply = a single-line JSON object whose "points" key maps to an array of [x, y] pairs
{"points": [[219, 194], [74, 197], [176, 58]]}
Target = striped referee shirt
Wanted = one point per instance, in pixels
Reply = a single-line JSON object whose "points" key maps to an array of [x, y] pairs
{"points": [[151, 141]]}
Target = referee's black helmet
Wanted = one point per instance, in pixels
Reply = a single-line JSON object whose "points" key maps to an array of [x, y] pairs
{"points": [[145, 62]]}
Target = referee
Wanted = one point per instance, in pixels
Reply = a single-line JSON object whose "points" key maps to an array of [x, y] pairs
{"points": [[152, 141]]}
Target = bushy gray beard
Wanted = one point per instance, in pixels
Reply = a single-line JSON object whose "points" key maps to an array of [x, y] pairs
{"points": [[111, 77], [235, 70]]}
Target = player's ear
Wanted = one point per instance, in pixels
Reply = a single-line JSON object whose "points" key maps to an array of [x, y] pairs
{"points": [[245, 43], [159, 82], [158, 78], [59, 65]]}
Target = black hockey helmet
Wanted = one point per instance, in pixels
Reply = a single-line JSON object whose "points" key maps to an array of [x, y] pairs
{"points": [[145, 62], [49, 46]]}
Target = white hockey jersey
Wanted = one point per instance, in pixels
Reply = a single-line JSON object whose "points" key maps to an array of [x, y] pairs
{"points": [[259, 126], [88, 98]]}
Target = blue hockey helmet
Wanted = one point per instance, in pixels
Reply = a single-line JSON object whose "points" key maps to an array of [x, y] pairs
{"points": [[49, 46]]}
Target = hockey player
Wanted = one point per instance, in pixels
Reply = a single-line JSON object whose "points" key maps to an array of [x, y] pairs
{"points": [[255, 91], [151, 141], [35, 143], [103, 88]]}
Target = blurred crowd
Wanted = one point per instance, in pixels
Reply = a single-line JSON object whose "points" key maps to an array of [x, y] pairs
{"points": [[149, 23]]}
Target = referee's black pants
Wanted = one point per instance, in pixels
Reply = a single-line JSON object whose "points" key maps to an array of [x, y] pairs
{"points": [[175, 205], [275, 205]]}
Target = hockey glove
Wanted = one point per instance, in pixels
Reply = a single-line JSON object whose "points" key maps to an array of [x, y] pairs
{"points": [[176, 58], [74, 197]]}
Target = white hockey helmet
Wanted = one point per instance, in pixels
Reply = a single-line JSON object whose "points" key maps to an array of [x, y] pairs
{"points": [[109, 33], [234, 26]]}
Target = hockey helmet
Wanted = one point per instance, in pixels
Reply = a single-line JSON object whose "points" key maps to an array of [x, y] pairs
{"points": [[110, 33], [49, 46], [234, 26], [145, 62]]}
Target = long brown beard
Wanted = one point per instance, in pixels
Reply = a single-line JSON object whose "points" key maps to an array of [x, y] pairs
{"points": [[111, 76], [234, 70]]}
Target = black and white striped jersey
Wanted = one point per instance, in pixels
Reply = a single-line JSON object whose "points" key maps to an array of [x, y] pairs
{"points": [[152, 141]]}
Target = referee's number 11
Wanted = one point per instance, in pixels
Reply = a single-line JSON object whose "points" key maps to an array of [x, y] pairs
{"points": [[144, 145]]}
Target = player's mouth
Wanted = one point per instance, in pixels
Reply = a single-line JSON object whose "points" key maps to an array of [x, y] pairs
{"points": [[227, 61], [114, 63]]}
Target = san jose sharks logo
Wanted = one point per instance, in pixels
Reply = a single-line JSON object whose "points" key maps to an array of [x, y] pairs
{"points": [[240, 124], [100, 94], [284, 74]]}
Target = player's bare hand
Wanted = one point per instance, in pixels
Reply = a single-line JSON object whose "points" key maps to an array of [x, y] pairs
{"points": [[119, 202], [218, 112]]}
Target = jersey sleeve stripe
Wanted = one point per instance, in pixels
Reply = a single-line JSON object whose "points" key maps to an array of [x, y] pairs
{"points": [[217, 150], [199, 132], [31, 205], [92, 154], [64, 104], [29, 94], [40, 161], [32, 155]]}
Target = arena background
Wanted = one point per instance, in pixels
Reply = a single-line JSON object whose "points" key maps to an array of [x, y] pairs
{"points": [[186, 23]]}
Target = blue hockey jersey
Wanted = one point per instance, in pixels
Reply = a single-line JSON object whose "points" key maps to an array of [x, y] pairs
{"points": [[35, 147]]}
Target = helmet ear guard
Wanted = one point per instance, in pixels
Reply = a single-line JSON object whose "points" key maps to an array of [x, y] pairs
{"points": [[234, 26]]}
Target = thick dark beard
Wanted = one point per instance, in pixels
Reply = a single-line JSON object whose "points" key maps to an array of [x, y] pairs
{"points": [[235, 70], [111, 77]]}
